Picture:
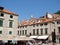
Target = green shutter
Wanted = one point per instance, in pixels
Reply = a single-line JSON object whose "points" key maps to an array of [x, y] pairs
{"points": [[33, 31], [1, 22], [20, 32], [25, 32], [41, 31], [37, 31], [10, 24], [46, 31]]}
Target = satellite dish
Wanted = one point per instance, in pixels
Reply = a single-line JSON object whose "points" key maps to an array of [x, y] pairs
{"points": [[49, 16]]}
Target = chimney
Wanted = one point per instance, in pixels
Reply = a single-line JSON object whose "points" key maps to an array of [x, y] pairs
{"points": [[1, 8]]}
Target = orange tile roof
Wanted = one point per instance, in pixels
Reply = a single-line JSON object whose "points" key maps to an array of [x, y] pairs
{"points": [[42, 20], [7, 11]]}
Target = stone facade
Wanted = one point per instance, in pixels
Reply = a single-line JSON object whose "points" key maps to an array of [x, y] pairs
{"points": [[4, 30], [47, 24]]}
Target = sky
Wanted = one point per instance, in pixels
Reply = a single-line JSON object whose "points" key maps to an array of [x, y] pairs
{"points": [[27, 8]]}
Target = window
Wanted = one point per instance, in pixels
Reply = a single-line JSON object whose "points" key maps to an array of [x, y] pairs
{"points": [[1, 14], [10, 32], [33, 31], [25, 26], [37, 25], [0, 32], [25, 32], [45, 23], [41, 31], [18, 32], [58, 22], [1, 22], [41, 24], [30, 34], [45, 30], [37, 31], [11, 16], [33, 25], [10, 24], [59, 29]]}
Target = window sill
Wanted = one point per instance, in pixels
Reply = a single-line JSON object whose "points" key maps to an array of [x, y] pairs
{"points": [[10, 27]]}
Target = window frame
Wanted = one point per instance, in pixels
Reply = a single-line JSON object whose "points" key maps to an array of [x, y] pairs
{"points": [[25, 32], [59, 29], [33, 31], [0, 32], [45, 23], [2, 14], [11, 16], [41, 31], [46, 30], [41, 24], [22, 32], [10, 32], [37, 25], [58, 22], [10, 24], [37, 31], [1, 23], [18, 32], [33, 25]]}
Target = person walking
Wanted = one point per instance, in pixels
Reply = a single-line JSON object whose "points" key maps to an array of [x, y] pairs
{"points": [[40, 43], [30, 43]]}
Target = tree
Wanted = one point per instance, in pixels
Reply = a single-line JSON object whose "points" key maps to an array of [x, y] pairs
{"points": [[58, 12]]}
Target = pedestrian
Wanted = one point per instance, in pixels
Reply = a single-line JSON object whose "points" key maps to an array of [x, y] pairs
{"points": [[30, 43], [40, 43]]}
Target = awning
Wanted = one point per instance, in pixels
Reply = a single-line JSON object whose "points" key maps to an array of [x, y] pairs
{"points": [[22, 38], [42, 37], [33, 36]]}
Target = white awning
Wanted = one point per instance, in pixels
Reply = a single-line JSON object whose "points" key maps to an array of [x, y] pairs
{"points": [[33, 36], [23, 38], [42, 37]]}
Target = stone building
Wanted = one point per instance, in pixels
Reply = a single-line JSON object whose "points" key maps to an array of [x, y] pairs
{"points": [[8, 24], [44, 25]]}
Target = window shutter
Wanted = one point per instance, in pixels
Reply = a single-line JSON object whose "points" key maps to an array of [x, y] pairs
{"points": [[10, 24], [1, 23]]}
